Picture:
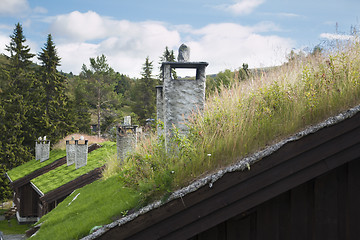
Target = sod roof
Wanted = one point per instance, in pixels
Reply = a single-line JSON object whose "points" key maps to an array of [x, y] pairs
{"points": [[33, 165], [64, 174]]}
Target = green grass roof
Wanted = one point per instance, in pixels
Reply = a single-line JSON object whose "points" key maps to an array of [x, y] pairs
{"points": [[64, 174], [87, 208], [33, 165]]}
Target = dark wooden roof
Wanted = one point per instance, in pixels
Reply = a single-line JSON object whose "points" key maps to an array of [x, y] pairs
{"points": [[295, 162]]}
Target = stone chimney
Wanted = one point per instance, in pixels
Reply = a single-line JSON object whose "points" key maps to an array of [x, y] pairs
{"points": [[38, 148], [42, 149], [70, 151], [126, 138], [81, 152], [77, 152], [178, 98]]}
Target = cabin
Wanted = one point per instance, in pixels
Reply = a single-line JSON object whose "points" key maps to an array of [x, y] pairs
{"points": [[303, 187], [30, 204]]}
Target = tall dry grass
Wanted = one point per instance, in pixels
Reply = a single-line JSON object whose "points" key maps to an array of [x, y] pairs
{"points": [[248, 116]]}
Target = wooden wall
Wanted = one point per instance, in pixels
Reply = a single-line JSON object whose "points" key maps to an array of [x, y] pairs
{"points": [[327, 207], [29, 201]]}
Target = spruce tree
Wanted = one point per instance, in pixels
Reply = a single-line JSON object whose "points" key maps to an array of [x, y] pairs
{"points": [[168, 56], [19, 52], [144, 93], [13, 151], [57, 121], [16, 96], [18, 87]]}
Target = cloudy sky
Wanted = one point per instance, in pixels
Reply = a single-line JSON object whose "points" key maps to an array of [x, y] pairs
{"points": [[225, 33]]}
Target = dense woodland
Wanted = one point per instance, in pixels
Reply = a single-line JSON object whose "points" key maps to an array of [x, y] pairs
{"points": [[38, 100]]}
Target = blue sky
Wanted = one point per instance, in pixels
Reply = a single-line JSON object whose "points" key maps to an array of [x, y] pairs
{"points": [[224, 33]]}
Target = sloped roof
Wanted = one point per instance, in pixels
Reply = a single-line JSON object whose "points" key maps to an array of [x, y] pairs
{"points": [[34, 165], [22, 174], [241, 186], [64, 174]]}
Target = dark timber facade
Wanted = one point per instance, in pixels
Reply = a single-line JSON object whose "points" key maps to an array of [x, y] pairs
{"points": [[307, 189]]}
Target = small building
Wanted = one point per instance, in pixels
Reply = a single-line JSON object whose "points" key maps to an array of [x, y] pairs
{"points": [[30, 206], [303, 187]]}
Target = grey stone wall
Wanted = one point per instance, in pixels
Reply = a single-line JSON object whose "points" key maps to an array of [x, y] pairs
{"points": [[81, 153], [180, 97], [126, 139], [42, 150], [37, 150], [45, 151], [70, 152], [77, 152]]}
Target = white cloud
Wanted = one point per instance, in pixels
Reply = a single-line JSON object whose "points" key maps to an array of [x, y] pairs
{"points": [[229, 45], [79, 26], [4, 40], [74, 55], [332, 36], [14, 7], [126, 44], [241, 7]]}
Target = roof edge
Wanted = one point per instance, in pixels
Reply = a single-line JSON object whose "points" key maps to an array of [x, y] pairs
{"points": [[37, 189], [7, 175]]}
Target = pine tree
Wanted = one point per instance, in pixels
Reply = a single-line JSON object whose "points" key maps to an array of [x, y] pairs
{"points": [[19, 52], [16, 97], [57, 122], [168, 56], [13, 119], [100, 88], [144, 93]]}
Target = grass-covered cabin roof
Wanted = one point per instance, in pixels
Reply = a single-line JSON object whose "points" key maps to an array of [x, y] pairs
{"points": [[33, 165], [64, 174]]}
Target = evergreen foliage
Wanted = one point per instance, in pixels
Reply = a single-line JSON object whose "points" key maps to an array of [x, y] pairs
{"points": [[168, 56], [100, 82], [17, 82], [58, 120], [33, 102], [19, 52], [144, 93], [78, 103]]}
